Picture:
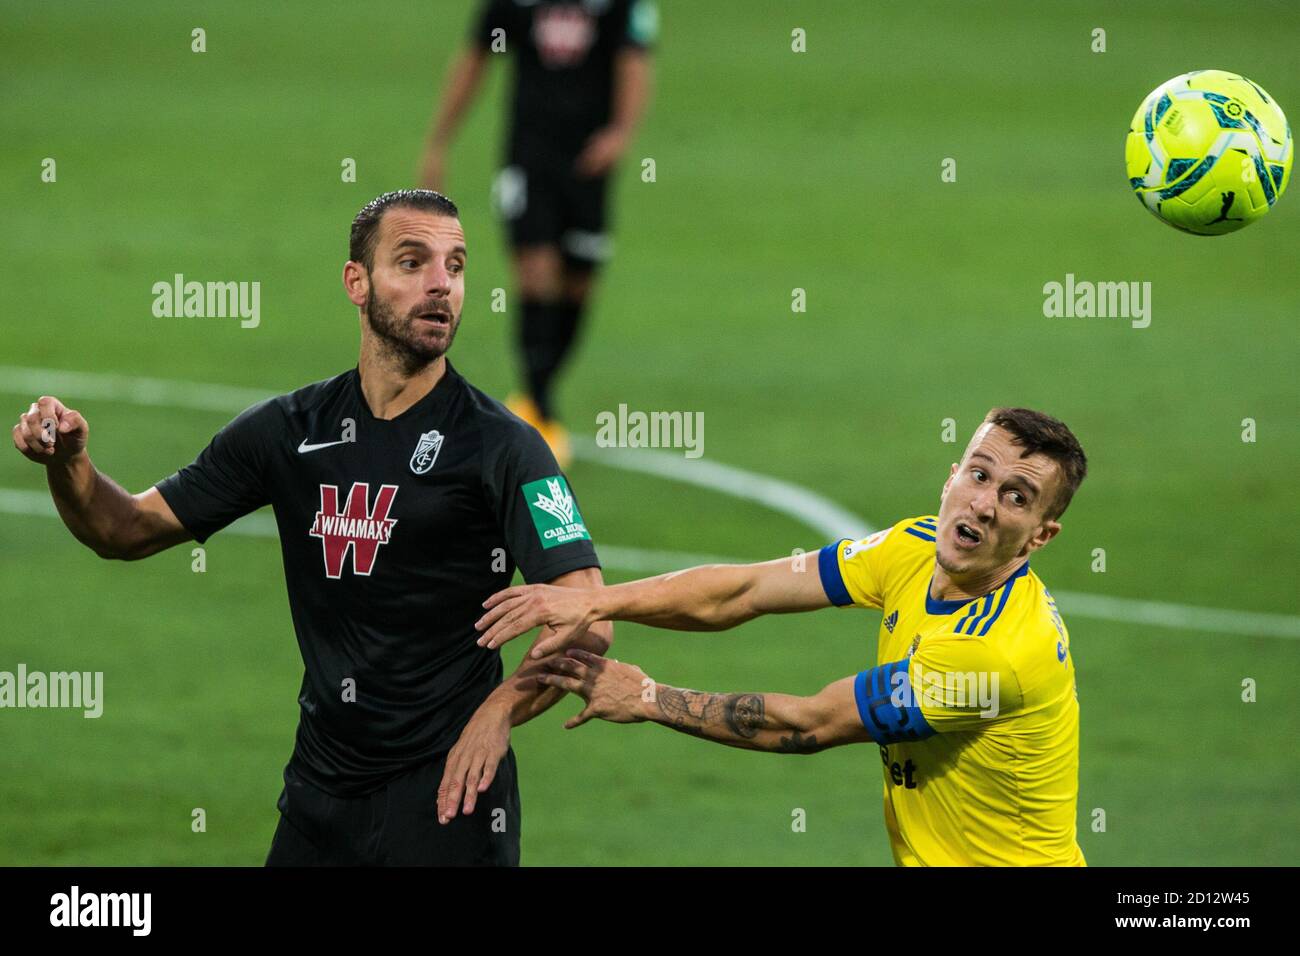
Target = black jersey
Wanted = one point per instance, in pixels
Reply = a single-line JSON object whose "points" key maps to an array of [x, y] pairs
{"points": [[393, 533], [564, 65]]}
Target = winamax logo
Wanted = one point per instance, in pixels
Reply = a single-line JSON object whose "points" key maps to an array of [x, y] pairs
{"points": [[354, 527], [555, 513]]}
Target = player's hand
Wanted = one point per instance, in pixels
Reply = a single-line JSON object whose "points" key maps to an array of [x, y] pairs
{"points": [[472, 764], [614, 691], [434, 171], [601, 151], [50, 433], [564, 612]]}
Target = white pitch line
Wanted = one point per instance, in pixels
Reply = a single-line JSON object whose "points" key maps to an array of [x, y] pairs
{"points": [[643, 561], [1179, 616], [809, 508], [794, 501], [805, 506], [261, 524], [158, 392]]}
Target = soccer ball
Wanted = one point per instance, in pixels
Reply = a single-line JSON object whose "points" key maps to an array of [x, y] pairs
{"points": [[1209, 152]]}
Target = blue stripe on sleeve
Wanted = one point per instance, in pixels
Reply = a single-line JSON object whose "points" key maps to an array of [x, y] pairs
{"points": [[828, 566], [919, 534], [877, 692]]}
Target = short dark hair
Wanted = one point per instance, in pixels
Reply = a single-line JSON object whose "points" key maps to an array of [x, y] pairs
{"points": [[1038, 432], [361, 243]]}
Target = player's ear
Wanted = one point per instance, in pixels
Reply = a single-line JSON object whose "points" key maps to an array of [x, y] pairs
{"points": [[356, 282], [951, 475], [1048, 530]]}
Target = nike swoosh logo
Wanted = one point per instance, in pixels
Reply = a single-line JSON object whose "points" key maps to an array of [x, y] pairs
{"points": [[326, 444]]}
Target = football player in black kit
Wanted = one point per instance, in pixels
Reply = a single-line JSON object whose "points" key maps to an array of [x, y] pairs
{"points": [[581, 82], [404, 496]]}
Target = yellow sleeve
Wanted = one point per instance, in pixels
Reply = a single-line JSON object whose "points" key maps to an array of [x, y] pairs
{"points": [[853, 572], [963, 683], [863, 572]]}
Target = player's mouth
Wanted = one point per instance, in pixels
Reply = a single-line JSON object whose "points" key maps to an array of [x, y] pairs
{"points": [[967, 536], [440, 319]]}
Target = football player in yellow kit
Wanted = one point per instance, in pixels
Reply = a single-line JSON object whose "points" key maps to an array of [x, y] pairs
{"points": [[972, 700]]}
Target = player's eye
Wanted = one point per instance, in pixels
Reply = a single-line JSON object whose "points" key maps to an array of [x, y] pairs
{"points": [[456, 268], [412, 262], [1017, 498], [979, 475]]}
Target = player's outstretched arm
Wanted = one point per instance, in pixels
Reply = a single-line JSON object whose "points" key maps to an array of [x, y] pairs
{"points": [[472, 763], [709, 598], [99, 513], [780, 723]]}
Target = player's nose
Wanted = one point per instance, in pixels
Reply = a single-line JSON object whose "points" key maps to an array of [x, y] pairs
{"points": [[984, 501], [437, 279]]}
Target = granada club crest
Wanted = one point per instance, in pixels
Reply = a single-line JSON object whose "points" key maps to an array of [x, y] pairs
{"points": [[357, 526], [426, 452]]}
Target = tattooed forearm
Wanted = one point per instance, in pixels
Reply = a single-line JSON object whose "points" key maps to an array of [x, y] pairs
{"points": [[799, 744], [689, 708], [745, 714], [695, 712], [740, 720]]}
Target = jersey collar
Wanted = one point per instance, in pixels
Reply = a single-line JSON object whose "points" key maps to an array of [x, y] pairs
{"points": [[435, 395], [938, 608]]}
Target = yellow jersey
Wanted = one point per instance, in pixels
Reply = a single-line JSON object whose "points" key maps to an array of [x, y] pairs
{"points": [[973, 703]]}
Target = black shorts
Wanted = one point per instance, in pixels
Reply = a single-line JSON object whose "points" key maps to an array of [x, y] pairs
{"points": [[543, 202], [397, 825]]}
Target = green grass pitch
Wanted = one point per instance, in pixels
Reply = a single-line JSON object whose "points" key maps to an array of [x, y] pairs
{"points": [[774, 171]]}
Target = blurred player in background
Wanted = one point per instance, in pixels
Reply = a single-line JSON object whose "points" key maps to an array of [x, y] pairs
{"points": [[582, 80], [972, 700]]}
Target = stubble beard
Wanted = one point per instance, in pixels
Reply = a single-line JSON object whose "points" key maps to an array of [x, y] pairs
{"points": [[397, 340]]}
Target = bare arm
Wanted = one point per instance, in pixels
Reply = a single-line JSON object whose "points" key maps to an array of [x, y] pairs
{"points": [[520, 695], [633, 72], [459, 89], [709, 598], [633, 78], [472, 763], [714, 597], [780, 723], [100, 513], [108, 519]]}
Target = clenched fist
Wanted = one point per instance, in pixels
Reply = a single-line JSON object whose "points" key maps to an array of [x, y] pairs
{"points": [[50, 432]]}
